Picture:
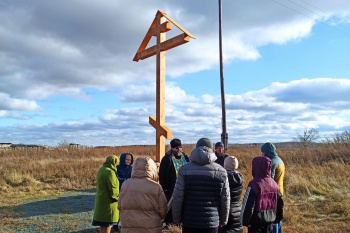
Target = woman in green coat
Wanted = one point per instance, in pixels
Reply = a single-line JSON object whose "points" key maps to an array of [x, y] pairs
{"points": [[106, 213]]}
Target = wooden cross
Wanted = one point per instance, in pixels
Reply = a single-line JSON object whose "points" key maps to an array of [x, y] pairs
{"points": [[158, 28]]}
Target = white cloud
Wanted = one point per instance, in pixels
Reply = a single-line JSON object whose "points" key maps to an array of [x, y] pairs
{"points": [[62, 48], [147, 93], [65, 47], [251, 117], [8, 103], [325, 90], [14, 115]]}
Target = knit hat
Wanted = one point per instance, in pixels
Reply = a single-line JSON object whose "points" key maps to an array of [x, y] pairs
{"points": [[205, 142], [218, 144], [231, 163], [175, 143]]}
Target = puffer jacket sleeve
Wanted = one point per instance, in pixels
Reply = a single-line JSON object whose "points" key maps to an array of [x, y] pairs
{"points": [[162, 204], [120, 199], [113, 186], [279, 212], [225, 202], [178, 197], [247, 207]]}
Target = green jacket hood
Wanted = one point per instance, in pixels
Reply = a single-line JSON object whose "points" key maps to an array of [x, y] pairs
{"points": [[111, 162], [269, 149]]}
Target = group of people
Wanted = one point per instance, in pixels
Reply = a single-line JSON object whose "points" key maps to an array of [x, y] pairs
{"points": [[201, 193]]}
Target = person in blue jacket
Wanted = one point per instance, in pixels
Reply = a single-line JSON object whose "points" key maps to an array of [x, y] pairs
{"points": [[124, 168], [124, 173]]}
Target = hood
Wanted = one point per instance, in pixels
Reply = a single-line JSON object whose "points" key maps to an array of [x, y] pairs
{"points": [[111, 162], [202, 155], [269, 149], [261, 167], [122, 159], [143, 168]]}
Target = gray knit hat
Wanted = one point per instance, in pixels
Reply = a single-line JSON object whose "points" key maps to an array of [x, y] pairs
{"points": [[205, 142], [231, 163]]}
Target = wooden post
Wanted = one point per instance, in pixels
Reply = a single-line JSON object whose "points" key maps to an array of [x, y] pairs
{"points": [[224, 135], [160, 92], [158, 28]]}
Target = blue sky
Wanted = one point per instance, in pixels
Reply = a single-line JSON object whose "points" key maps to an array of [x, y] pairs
{"points": [[67, 73]]}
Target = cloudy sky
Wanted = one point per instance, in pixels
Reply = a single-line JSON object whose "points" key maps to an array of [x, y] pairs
{"points": [[67, 73]]}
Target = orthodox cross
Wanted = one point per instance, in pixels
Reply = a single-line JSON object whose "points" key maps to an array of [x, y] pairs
{"points": [[158, 29]]}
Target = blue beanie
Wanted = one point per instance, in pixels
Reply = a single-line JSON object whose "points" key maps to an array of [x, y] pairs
{"points": [[219, 144]]}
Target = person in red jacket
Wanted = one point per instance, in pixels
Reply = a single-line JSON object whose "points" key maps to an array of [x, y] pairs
{"points": [[263, 203]]}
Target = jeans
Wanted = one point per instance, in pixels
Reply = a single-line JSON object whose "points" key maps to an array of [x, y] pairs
{"points": [[277, 228]]}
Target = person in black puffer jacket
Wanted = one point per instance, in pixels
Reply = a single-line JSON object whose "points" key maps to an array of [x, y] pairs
{"points": [[235, 179], [201, 198]]}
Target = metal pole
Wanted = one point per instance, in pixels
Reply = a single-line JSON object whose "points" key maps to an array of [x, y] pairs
{"points": [[224, 135]]}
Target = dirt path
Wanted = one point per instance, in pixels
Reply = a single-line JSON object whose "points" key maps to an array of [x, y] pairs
{"points": [[70, 212]]}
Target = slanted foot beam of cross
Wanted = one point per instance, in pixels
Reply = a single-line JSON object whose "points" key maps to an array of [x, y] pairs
{"points": [[158, 28]]}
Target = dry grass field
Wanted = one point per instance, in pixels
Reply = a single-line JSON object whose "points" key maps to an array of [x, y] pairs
{"points": [[317, 187]]}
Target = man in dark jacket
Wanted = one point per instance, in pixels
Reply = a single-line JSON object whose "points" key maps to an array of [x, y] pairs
{"points": [[219, 152], [168, 170], [235, 179], [262, 203], [201, 198]]}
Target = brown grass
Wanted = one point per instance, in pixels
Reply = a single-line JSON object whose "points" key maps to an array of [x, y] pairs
{"points": [[317, 191]]}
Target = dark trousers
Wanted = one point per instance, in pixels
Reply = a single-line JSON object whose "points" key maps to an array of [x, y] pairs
{"points": [[225, 229], [199, 230], [169, 217], [260, 229]]}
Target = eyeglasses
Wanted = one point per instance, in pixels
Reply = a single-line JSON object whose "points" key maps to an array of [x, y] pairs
{"points": [[178, 147]]}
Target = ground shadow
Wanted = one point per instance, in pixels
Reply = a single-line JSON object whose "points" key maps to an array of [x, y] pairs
{"points": [[66, 204], [82, 191], [91, 230]]}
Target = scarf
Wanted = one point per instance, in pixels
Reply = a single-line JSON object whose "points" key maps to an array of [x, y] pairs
{"points": [[178, 162]]}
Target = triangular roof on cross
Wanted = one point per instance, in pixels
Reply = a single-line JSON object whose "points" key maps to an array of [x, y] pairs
{"points": [[173, 42]]}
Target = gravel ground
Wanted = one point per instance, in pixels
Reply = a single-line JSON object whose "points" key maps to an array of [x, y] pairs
{"points": [[71, 212]]}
